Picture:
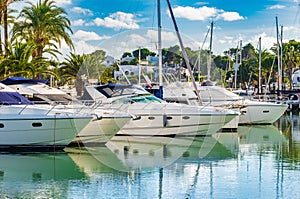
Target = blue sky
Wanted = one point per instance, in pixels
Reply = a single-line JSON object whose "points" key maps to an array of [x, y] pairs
{"points": [[117, 26]]}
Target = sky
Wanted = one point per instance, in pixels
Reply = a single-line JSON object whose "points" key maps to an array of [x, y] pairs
{"points": [[119, 26]]}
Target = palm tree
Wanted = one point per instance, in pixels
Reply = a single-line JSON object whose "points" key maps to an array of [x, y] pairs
{"points": [[4, 18], [45, 24], [19, 61], [70, 70]]}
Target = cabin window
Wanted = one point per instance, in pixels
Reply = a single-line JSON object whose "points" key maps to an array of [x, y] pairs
{"points": [[37, 124], [169, 117], [1, 125], [151, 118], [185, 117], [266, 111]]}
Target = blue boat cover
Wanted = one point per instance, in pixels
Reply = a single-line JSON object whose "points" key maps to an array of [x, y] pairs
{"points": [[13, 98], [22, 80]]}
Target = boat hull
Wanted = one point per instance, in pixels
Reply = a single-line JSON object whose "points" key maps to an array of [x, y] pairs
{"points": [[261, 113], [175, 120], [99, 131], [39, 133]]}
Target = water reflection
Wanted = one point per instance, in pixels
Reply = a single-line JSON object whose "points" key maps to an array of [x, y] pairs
{"points": [[249, 161], [256, 161], [36, 175], [138, 153], [290, 126]]}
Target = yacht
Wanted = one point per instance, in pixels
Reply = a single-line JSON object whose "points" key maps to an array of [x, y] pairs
{"points": [[157, 117], [104, 125], [251, 112], [26, 126]]}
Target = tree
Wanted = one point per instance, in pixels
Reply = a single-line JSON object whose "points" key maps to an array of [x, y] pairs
{"points": [[19, 61], [290, 58], [144, 53], [45, 24], [126, 54], [107, 76], [93, 64], [70, 70], [5, 18]]}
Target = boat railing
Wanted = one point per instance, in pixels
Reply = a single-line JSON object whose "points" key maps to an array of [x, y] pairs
{"points": [[42, 108]]}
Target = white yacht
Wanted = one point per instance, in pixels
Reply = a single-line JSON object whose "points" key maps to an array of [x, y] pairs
{"points": [[251, 112], [157, 117], [104, 125], [24, 126]]}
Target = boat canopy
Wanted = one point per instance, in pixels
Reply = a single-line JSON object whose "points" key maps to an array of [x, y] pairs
{"points": [[22, 80], [114, 90], [13, 98]]}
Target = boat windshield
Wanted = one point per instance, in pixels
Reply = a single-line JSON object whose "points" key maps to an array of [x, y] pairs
{"points": [[139, 99], [152, 98]]}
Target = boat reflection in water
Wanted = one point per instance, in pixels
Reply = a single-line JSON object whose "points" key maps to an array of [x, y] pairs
{"points": [[291, 129], [135, 153], [260, 135], [253, 160], [257, 160], [127, 153], [43, 175]]}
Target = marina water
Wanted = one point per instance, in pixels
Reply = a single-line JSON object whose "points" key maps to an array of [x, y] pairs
{"points": [[256, 162]]}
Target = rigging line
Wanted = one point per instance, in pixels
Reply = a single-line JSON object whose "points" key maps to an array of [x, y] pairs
{"points": [[184, 53], [297, 14], [199, 57]]}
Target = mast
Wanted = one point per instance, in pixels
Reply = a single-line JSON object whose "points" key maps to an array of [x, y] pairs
{"points": [[281, 46], [200, 49], [199, 59], [210, 50], [259, 66], [160, 94], [184, 53], [139, 65], [278, 54], [236, 66]]}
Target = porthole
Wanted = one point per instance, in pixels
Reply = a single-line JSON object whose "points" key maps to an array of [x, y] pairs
{"points": [[266, 111], [151, 118], [169, 117], [37, 124], [1, 125], [185, 117]]}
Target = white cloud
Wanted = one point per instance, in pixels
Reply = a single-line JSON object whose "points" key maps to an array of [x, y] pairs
{"points": [[230, 16], [78, 22], [167, 36], [118, 21], [192, 13], [204, 13], [222, 41], [266, 41], [291, 32], [63, 2], [276, 7], [82, 47], [83, 11], [88, 36]]}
